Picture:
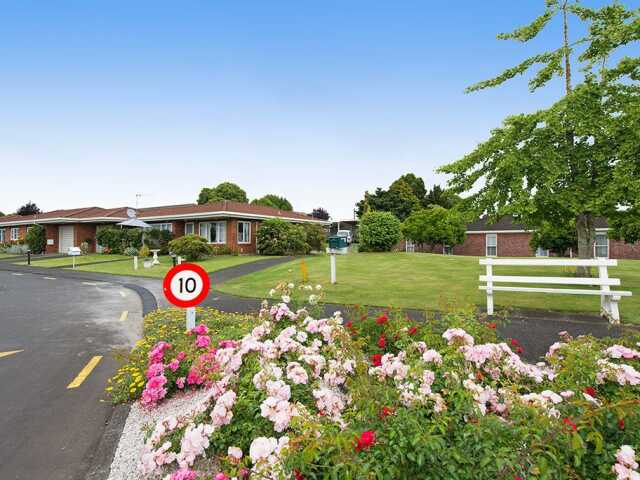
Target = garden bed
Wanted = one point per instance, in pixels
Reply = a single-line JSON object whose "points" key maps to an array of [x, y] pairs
{"points": [[290, 395]]}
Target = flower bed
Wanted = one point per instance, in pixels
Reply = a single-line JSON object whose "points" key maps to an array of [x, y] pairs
{"points": [[292, 395]]}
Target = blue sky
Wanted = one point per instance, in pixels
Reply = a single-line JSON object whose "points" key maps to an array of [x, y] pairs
{"points": [[317, 101]]}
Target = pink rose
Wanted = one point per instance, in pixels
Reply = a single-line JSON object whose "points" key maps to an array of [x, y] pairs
{"points": [[201, 329], [180, 382], [174, 364], [203, 341]]}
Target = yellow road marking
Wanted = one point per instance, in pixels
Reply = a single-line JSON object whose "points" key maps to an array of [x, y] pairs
{"points": [[12, 352], [85, 372], [124, 315]]}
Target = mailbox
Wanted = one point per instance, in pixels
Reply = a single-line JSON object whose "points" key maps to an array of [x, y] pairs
{"points": [[337, 243], [74, 251]]}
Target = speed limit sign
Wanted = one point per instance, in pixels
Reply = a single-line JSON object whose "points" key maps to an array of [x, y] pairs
{"points": [[186, 285]]}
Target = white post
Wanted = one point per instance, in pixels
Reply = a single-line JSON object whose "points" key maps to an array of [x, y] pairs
{"points": [[333, 268], [135, 262], [73, 265], [191, 317], [489, 287], [179, 260], [605, 300]]}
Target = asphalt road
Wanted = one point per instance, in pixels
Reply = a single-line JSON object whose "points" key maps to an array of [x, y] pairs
{"points": [[47, 430]]}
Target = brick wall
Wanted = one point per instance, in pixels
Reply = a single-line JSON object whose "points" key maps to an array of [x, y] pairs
{"points": [[83, 232], [178, 228], [622, 250], [51, 233]]}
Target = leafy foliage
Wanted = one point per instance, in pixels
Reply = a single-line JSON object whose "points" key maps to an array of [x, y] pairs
{"points": [[277, 237], [320, 213], [435, 226], [316, 236], [157, 239], [28, 208], [36, 238], [191, 247], [223, 191], [379, 232], [555, 237], [116, 240], [274, 201]]}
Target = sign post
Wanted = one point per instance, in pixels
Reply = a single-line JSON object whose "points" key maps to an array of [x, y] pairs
{"points": [[333, 267], [185, 286]]}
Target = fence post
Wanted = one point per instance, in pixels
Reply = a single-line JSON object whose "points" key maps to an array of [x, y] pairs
{"points": [[489, 287]]}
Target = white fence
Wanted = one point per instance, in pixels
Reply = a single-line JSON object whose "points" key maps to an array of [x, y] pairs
{"points": [[608, 299]]}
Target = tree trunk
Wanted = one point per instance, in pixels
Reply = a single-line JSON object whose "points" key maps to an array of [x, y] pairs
{"points": [[586, 239], [567, 55]]}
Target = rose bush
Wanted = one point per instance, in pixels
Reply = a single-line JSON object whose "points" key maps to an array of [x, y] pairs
{"points": [[288, 394]]}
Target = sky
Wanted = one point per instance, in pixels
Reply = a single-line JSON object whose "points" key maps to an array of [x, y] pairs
{"points": [[316, 101]]}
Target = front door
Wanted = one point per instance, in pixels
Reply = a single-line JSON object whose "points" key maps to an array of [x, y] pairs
{"points": [[65, 238]]}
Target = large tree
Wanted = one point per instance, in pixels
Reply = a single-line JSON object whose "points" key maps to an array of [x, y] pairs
{"points": [[273, 201], [320, 213], [224, 191], [435, 226], [443, 197], [28, 208], [577, 159]]}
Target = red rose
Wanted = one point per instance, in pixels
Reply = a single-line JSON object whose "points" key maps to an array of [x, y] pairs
{"points": [[514, 342], [382, 319], [297, 474], [385, 412], [367, 439], [492, 325], [413, 330], [349, 324], [381, 341], [621, 424], [590, 391], [567, 421], [376, 359], [519, 350]]}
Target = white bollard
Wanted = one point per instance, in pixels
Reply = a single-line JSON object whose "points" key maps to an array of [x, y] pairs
{"points": [[333, 268], [179, 260], [135, 262], [191, 318]]}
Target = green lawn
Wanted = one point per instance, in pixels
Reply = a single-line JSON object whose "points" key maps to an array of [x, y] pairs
{"points": [[427, 281], [8, 255], [67, 261], [211, 264]]}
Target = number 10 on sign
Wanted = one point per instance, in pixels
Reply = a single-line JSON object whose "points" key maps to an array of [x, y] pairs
{"points": [[187, 285]]}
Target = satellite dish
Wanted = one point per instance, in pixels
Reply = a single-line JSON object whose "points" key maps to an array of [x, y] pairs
{"points": [[131, 213]]}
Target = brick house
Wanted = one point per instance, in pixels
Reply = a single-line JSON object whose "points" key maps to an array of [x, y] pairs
{"points": [[226, 223], [506, 238]]}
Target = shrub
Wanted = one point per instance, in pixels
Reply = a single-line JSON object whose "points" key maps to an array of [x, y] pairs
{"points": [[191, 247], [144, 252], [378, 397], [277, 237], [316, 236], [36, 238], [116, 240], [157, 239], [379, 232], [84, 248], [130, 251]]}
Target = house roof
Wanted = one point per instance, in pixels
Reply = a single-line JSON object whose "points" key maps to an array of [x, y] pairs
{"points": [[166, 212]]}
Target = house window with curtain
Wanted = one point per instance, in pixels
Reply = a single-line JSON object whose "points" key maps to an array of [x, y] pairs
{"points": [[1, 235], [214, 232], [244, 232], [601, 246], [492, 245], [15, 233], [542, 252], [188, 228], [163, 226]]}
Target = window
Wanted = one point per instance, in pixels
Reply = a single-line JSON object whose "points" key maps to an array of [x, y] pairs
{"points": [[492, 245], [214, 232], [244, 232], [542, 252], [163, 226], [15, 233], [601, 246], [188, 228], [1, 235]]}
